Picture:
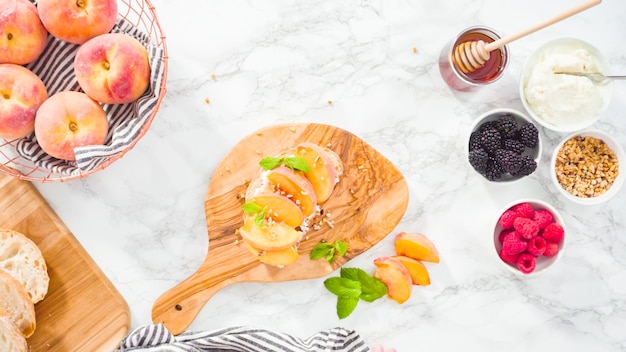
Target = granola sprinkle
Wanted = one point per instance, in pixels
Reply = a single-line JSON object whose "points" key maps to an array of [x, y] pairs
{"points": [[586, 167]]}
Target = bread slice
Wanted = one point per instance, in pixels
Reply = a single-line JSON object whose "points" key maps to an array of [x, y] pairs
{"points": [[11, 339], [22, 258], [14, 300]]}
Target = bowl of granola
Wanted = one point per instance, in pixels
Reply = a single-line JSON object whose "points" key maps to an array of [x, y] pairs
{"points": [[586, 167]]}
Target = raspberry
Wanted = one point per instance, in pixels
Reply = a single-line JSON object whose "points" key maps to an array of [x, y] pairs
{"points": [[525, 209], [543, 218], [526, 263], [507, 218], [536, 246], [502, 234], [526, 228], [513, 244], [554, 233], [508, 258], [551, 249]]}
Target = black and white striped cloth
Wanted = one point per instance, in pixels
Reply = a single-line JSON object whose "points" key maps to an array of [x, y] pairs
{"points": [[55, 68], [156, 338]]}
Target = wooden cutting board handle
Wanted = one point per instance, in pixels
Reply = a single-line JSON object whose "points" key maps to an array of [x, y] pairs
{"points": [[178, 307]]}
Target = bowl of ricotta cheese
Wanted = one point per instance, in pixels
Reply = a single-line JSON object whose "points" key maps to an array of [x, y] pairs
{"points": [[556, 100]]}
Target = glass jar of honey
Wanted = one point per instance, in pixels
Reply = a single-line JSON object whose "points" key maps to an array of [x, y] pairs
{"points": [[488, 73]]}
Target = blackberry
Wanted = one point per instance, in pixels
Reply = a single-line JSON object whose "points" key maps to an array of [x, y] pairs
{"points": [[491, 140], [509, 160], [507, 126], [528, 167], [514, 145], [478, 159], [494, 170], [485, 126], [474, 141], [529, 135]]}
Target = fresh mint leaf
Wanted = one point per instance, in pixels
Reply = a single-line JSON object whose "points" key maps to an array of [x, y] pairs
{"points": [[320, 250], [270, 162], [341, 248], [297, 163], [371, 288], [343, 287], [292, 162], [251, 208], [351, 273], [330, 257], [329, 251], [345, 306], [258, 220]]}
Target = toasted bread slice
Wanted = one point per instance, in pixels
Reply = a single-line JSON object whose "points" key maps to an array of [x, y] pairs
{"points": [[11, 339], [22, 258], [15, 301]]}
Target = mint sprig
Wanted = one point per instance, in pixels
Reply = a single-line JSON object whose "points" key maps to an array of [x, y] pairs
{"points": [[292, 162], [253, 208], [328, 251], [353, 285]]}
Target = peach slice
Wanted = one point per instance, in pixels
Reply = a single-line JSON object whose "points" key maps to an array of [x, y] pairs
{"points": [[325, 167], [279, 257], [294, 185], [395, 276], [269, 237], [280, 208], [417, 270], [416, 246]]}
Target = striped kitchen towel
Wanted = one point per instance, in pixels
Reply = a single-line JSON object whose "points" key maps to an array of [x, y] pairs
{"points": [[126, 121], [156, 338]]}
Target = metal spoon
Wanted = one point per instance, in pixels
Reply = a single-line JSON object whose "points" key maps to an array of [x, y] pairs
{"points": [[595, 77]]}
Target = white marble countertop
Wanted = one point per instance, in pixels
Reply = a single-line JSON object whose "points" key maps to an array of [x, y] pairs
{"points": [[267, 62]]}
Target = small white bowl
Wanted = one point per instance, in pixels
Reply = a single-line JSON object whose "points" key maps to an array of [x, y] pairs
{"points": [[543, 262], [493, 115], [617, 149], [560, 87]]}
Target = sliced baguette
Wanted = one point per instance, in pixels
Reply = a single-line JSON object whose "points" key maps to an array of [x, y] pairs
{"points": [[22, 258], [11, 339], [14, 300]]}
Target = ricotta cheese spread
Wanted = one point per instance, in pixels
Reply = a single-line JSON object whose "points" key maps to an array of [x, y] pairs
{"points": [[564, 100]]}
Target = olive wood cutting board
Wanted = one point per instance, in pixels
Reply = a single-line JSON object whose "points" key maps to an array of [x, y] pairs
{"points": [[366, 205], [82, 310]]}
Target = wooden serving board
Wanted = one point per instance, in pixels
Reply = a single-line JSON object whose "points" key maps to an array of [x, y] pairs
{"points": [[82, 310], [366, 205]]}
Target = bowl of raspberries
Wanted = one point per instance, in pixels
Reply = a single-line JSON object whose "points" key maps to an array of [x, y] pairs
{"points": [[529, 236], [504, 145]]}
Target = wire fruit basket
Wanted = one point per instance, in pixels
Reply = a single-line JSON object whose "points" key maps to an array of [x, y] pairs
{"points": [[23, 159]]}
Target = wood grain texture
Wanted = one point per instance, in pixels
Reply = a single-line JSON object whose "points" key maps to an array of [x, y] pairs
{"points": [[366, 205], [82, 310]]}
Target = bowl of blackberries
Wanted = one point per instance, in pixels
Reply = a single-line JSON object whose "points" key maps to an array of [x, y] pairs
{"points": [[504, 145]]}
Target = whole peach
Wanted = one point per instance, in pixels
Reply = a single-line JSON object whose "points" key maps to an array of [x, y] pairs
{"points": [[68, 120], [22, 35], [21, 94], [77, 21], [112, 68]]}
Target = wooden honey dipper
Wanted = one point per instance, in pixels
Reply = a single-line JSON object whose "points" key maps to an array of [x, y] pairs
{"points": [[472, 55]]}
